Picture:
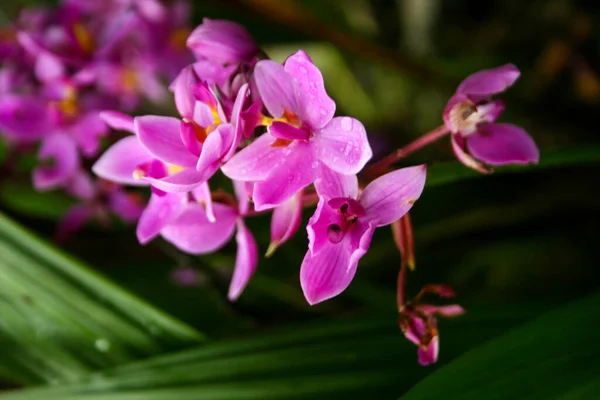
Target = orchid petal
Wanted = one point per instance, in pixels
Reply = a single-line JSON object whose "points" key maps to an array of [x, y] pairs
{"points": [[243, 191], [501, 144], [283, 130], [119, 162], [203, 196], [161, 136], [236, 121], [62, 150], [458, 145], [285, 221], [343, 145], [48, 67], [318, 225], [328, 273], [390, 196], [87, 131], [255, 162], [23, 118], [125, 205], [117, 120], [296, 169], [276, 88], [160, 211], [182, 91], [189, 137], [429, 354], [448, 311], [315, 107], [331, 184], [245, 262], [180, 182], [489, 81], [193, 233], [73, 220], [223, 41], [214, 148]]}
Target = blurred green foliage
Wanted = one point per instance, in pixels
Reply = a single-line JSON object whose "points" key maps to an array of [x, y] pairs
{"points": [[514, 244]]}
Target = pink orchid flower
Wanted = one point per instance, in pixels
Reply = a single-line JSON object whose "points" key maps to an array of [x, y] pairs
{"points": [[477, 140], [418, 321], [302, 134], [340, 231]]}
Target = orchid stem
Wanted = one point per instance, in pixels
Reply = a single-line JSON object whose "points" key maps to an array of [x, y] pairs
{"points": [[377, 168]]}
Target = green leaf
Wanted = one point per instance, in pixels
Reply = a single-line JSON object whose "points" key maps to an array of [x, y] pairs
{"points": [[553, 357], [60, 320], [349, 358], [24, 199], [449, 172]]}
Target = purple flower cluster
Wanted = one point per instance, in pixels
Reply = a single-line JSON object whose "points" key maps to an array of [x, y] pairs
{"points": [[62, 66], [271, 129]]}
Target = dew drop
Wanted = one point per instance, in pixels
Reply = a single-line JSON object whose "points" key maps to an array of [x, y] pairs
{"points": [[347, 124], [102, 344], [314, 164]]}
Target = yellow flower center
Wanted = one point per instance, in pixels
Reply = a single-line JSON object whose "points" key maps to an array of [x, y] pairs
{"points": [[83, 38]]}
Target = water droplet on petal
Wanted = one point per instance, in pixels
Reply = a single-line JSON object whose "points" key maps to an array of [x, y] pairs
{"points": [[347, 123], [314, 164]]}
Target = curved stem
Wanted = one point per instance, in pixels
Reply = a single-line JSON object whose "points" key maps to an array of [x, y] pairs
{"points": [[380, 166]]}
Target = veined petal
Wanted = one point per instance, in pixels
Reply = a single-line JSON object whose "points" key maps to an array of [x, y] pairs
{"points": [[458, 146], [180, 182], [119, 162], [489, 81], [283, 130], [390, 196], [117, 120], [328, 273], [501, 144], [315, 107], [275, 87], [255, 162], [61, 151], [193, 233], [161, 136], [285, 221], [160, 211], [343, 145], [296, 170], [188, 136], [331, 184], [245, 262]]}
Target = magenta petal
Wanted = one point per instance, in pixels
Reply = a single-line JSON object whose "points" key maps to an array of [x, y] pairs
{"points": [[343, 145], [458, 146], [429, 355], [189, 138], [390, 196], [119, 162], [489, 81], [285, 220], [203, 196], [283, 130], [243, 192], [236, 121], [296, 169], [255, 162], [318, 225], [117, 120], [315, 107], [448, 311], [214, 149], [225, 42], [180, 182], [125, 206], [276, 88], [160, 211], [193, 233], [501, 144], [182, 91], [81, 186], [48, 67], [328, 273], [61, 152], [331, 184], [245, 262], [161, 136], [23, 118], [87, 131]]}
